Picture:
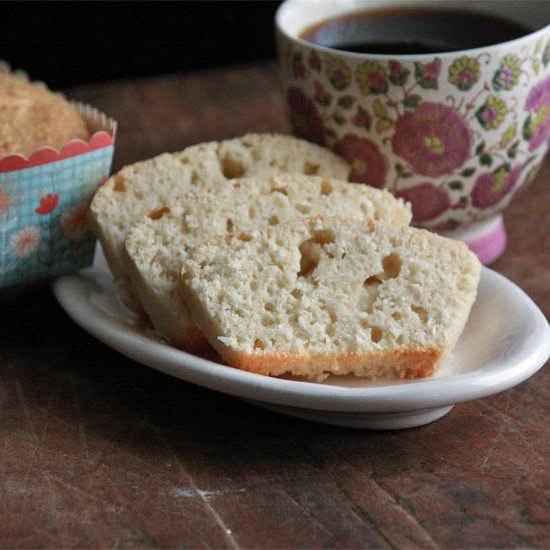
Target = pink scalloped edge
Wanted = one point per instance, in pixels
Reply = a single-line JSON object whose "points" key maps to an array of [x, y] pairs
{"points": [[48, 154], [104, 135]]}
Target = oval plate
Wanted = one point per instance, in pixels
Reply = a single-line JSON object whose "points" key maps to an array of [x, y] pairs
{"points": [[506, 340]]}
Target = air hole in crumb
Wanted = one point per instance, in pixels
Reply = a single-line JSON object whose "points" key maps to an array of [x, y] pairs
{"points": [[303, 208], [310, 257], [330, 330], [232, 168], [253, 285], [229, 225], [311, 169], [392, 265], [267, 321], [259, 344], [273, 220], [297, 293], [332, 315], [139, 195], [159, 212], [421, 312], [120, 184], [184, 160], [326, 187], [251, 212], [323, 236], [281, 190], [371, 281], [239, 313], [269, 306], [310, 250], [244, 237], [194, 178], [396, 316], [185, 229], [376, 334], [365, 208]]}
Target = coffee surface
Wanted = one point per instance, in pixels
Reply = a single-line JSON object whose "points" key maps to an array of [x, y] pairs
{"points": [[399, 31]]}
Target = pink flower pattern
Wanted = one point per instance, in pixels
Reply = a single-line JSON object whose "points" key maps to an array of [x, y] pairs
{"points": [[368, 164], [434, 139], [428, 201], [491, 187], [537, 125], [25, 241], [439, 132]]}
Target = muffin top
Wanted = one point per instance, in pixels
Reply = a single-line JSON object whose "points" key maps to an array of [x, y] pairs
{"points": [[31, 117]]}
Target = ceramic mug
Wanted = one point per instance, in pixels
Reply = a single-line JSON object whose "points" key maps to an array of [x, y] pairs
{"points": [[457, 134]]}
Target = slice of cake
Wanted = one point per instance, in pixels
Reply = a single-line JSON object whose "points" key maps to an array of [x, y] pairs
{"points": [[322, 296], [140, 187], [158, 243]]}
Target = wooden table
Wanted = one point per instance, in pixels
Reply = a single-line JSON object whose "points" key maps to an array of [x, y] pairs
{"points": [[99, 451]]}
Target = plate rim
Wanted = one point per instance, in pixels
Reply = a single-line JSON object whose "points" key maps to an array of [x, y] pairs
{"points": [[413, 396]]}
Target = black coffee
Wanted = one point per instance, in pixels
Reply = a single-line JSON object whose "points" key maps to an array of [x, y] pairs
{"points": [[405, 30]]}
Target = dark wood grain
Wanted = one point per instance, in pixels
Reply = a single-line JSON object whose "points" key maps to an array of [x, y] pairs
{"points": [[99, 451]]}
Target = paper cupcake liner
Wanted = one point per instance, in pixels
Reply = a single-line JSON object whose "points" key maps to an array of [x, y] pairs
{"points": [[44, 202]]}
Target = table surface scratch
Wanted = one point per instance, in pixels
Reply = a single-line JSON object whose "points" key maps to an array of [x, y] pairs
{"points": [[99, 451]]}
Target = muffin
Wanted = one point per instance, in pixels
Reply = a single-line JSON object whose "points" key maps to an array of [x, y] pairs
{"points": [[53, 156], [31, 117]]}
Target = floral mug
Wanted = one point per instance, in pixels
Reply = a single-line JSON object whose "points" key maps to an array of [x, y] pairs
{"points": [[456, 134]]}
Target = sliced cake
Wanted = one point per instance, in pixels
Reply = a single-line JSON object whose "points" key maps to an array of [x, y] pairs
{"points": [[157, 244], [323, 296], [140, 187]]}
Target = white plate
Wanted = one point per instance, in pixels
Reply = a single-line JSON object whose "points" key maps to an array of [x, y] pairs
{"points": [[506, 340]]}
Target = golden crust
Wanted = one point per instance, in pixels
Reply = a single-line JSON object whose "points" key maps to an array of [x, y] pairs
{"points": [[408, 363], [32, 117]]}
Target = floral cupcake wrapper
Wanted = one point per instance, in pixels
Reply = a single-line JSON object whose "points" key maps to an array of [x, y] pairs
{"points": [[44, 202]]}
